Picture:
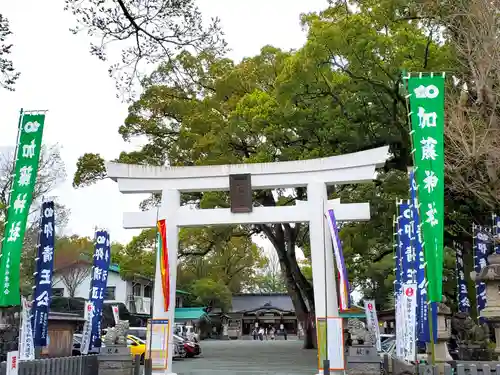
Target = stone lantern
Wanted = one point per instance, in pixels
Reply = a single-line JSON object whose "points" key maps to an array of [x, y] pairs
{"points": [[443, 331], [490, 275]]}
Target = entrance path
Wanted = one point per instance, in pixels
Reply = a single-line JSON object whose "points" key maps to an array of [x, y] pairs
{"points": [[248, 357]]}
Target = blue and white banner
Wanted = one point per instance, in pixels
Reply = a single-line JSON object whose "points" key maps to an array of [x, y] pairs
{"points": [[496, 233], [462, 293], [372, 321], [87, 328], [482, 244], [43, 275], [397, 259], [398, 286], [345, 299], [99, 279], [409, 297], [422, 314], [26, 344], [406, 235]]}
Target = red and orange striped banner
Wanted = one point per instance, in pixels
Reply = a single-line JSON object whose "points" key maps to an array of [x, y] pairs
{"points": [[163, 259]]}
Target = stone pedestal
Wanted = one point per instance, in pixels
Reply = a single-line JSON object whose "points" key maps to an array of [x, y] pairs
{"points": [[443, 335], [115, 360], [362, 359], [443, 332], [491, 276]]}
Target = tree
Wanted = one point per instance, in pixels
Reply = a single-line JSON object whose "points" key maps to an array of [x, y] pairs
{"points": [[138, 257], [212, 293], [473, 126], [149, 32], [8, 75], [340, 93], [51, 173], [73, 259], [270, 279], [233, 262]]}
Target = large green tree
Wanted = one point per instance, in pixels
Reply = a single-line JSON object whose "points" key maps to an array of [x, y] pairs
{"points": [[233, 262], [340, 93]]}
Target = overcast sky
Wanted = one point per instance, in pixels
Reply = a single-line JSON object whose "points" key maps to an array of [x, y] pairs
{"points": [[60, 75]]}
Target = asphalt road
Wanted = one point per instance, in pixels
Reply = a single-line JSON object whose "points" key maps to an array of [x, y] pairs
{"points": [[248, 357]]}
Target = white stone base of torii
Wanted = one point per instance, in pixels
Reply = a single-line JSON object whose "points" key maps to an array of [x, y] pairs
{"points": [[314, 174]]}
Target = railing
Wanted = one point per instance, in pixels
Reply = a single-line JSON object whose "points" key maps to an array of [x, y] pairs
{"points": [[78, 365], [464, 368], [451, 368], [141, 305]]}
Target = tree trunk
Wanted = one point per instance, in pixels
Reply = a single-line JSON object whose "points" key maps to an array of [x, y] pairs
{"points": [[297, 285], [310, 339]]}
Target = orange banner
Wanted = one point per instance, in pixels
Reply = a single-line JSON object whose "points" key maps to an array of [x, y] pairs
{"points": [[163, 259]]}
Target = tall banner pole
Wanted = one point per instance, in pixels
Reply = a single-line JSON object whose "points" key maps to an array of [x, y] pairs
{"points": [[426, 113], [462, 292], [43, 274], [408, 265], [481, 243], [99, 280], [400, 348], [344, 297], [21, 196], [496, 233]]}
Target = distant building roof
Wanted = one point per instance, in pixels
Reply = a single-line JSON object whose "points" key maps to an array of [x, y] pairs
{"points": [[254, 301], [54, 315], [190, 313]]}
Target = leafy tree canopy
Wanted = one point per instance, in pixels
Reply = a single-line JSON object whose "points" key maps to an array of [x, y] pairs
{"points": [[211, 293], [341, 92]]}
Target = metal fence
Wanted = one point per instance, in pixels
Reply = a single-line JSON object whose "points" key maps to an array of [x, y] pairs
{"points": [[78, 365], [452, 368], [477, 368]]}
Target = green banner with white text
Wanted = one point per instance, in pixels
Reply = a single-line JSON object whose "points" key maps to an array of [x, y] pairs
{"points": [[427, 129], [23, 184]]}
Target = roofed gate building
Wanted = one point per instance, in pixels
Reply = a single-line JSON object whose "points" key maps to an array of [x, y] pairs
{"points": [[264, 310]]}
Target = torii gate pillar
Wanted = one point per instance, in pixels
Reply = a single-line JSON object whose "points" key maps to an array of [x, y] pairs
{"points": [[314, 174]]}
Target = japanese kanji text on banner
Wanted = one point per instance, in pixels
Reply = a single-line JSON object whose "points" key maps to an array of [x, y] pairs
{"points": [[102, 259], [43, 275], [410, 319], [372, 321], [427, 120], [24, 178]]}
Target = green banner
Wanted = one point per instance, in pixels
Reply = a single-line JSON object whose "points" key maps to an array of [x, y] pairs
{"points": [[23, 184], [426, 95]]}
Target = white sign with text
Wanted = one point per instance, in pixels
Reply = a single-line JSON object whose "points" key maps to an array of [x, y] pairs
{"points": [[372, 321]]}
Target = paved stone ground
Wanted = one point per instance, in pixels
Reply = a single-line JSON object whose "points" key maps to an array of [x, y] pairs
{"points": [[248, 357]]}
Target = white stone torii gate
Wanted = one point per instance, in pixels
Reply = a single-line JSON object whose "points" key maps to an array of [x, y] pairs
{"points": [[315, 174]]}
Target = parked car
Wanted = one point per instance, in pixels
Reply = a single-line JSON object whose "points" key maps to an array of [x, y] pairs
{"points": [[141, 333], [137, 347], [179, 351], [186, 331], [191, 348], [77, 343]]}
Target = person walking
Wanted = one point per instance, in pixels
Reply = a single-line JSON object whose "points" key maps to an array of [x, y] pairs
{"points": [[261, 334], [254, 333]]}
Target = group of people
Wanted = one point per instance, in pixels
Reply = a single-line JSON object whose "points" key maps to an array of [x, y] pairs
{"points": [[268, 333]]}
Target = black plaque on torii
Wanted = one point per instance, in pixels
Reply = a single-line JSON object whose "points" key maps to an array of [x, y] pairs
{"points": [[240, 193]]}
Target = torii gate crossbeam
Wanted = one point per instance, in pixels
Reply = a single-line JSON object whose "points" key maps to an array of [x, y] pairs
{"points": [[315, 174]]}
